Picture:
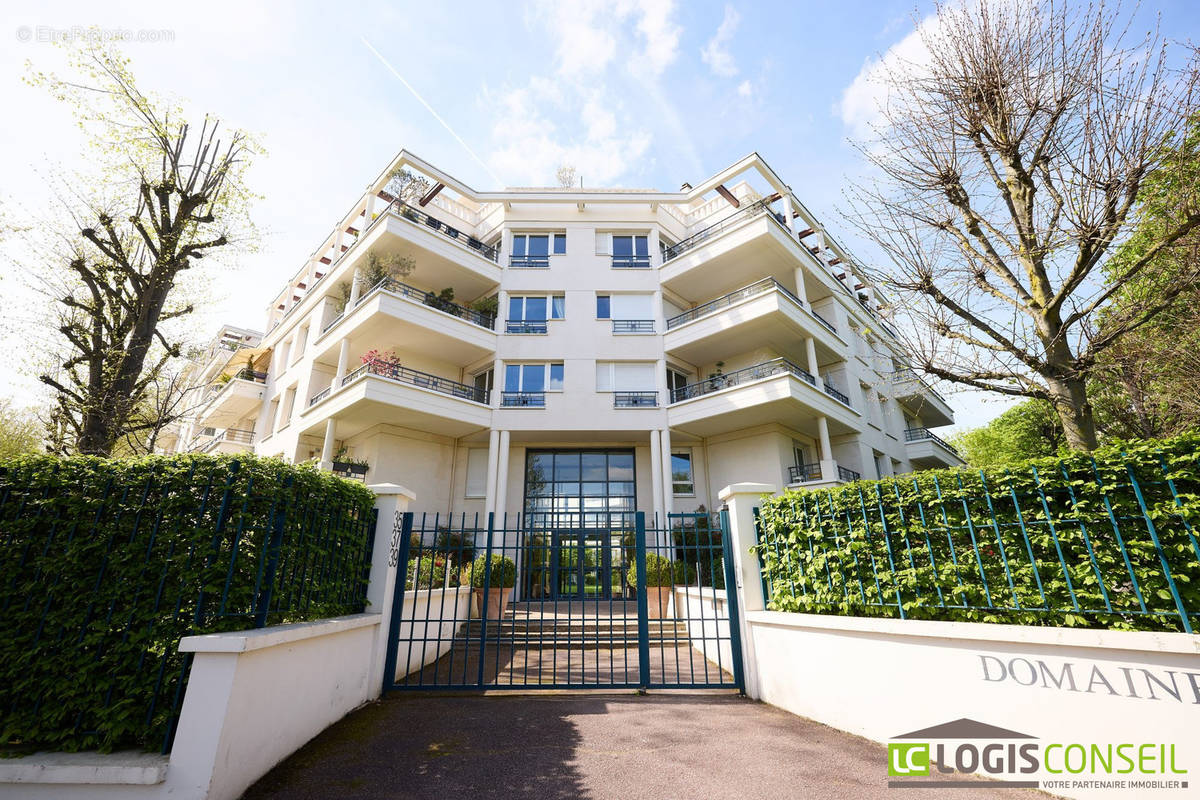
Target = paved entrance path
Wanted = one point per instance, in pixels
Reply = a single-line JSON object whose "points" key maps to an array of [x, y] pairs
{"points": [[587, 747]]}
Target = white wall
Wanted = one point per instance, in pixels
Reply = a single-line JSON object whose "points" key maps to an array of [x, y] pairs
{"points": [[429, 621]]}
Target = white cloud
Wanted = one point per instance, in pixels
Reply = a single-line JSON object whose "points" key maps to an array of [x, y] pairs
{"points": [[745, 89], [716, 53]]}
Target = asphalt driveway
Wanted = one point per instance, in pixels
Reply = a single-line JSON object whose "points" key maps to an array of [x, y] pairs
{"points": [[583, 746]]}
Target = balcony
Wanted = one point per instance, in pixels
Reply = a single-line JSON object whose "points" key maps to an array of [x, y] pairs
{"points": [[811, 473], [523, 400], [635, 399], [231, 440], [911, 389], [395, 314], [386, 393], [763, 314], [226, 403], [775, 391], [632, 326], [432, 223], [929, 451]]}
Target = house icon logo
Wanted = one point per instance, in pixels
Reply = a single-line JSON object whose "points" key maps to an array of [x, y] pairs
{"points": [[916, 753]]}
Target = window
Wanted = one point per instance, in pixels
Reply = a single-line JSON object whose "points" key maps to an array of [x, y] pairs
{"points": [[527, 314], [799, 454], [621, 376], [530, 251], [477, 464], [483, 382], [630, 252], [676, 381], [533, 377], [560, 244], [301, 340], [682, 482], [603, 306], [632, 306]]}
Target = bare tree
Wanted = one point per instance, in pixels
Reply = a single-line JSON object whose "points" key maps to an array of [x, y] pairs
{"points": [[565, 176], [172, 195], [1009, 163]]}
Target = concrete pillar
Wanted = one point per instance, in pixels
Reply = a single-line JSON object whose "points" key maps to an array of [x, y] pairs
{"points": [[801, 289], [668, 493], [502, 476], [497, 382], [343, 359], [656, 478], [502, 309], [652, 247], [742, 499], [392, 502], [787, 213], [810, 350], [828, 466], [493, 463], [660, 384], [327, 446], [355, 290]]}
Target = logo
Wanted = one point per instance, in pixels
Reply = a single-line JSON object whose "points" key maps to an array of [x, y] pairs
{"points": [[908, 759]]}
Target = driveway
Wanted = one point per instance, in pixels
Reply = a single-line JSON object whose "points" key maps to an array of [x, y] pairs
{"points": [[583, 746]]}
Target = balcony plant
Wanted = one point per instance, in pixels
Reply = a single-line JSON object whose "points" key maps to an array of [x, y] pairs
{"points": [[661, 575], [347, 465], [381, 361], [499, 576], [488, 306]]}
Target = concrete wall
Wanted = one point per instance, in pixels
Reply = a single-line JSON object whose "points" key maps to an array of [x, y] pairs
{"points": [[707, 614], [429, 620]]}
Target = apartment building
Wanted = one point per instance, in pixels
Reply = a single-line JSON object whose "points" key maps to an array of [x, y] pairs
{"points": [[562, 350]]}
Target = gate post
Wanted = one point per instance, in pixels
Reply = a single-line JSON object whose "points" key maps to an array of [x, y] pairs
{"points": [[639, 546], [742, 499], [391, 501]]}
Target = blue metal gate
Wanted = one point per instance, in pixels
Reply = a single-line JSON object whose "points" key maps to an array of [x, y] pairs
{"points": [[564, 601]]}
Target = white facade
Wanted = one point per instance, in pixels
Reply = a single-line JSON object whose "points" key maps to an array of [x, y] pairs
{"points": [[719, 327]]}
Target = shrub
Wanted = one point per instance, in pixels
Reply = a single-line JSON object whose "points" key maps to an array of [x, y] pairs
{"points": [[431, 572], [662, 571], [501, 575], [106, 563], [1085, 541]]}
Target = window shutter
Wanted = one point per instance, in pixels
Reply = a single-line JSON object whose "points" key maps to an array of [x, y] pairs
{"points": [[477, 461], [603, 244], [604, 376], [632, 306], [633, 378]]}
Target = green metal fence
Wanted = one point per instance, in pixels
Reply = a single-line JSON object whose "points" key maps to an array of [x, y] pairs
{"points": [[1077, 543], [105, 565]]}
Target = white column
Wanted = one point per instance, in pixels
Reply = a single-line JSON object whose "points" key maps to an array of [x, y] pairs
{"points": [[343, 358], [810, 349], [327, 446], [355, 290], [668, 494], [391, 501], [652, 247], [497, 383], [828, 468], [372, 199], [742, 498], [656, 478], [502, 476], [493, 462], [502, 309], [787, 212], [801, 289], [660, 384]]}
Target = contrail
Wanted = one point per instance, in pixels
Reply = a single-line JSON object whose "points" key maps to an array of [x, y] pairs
{"points": [[428, 107]]}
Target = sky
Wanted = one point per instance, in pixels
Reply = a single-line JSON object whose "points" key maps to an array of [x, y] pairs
{"points": [[633, 93]]}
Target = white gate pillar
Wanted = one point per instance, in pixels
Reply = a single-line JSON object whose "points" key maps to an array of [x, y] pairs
{"points": [[742, 499], [391, 501]]}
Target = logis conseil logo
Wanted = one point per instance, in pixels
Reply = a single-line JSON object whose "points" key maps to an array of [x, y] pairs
{"points": [[938, 757]]}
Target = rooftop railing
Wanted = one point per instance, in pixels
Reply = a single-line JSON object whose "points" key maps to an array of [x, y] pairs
{"points": [[430, 299], [715, 383], [703, 235], [921, 434], [423, 380]]}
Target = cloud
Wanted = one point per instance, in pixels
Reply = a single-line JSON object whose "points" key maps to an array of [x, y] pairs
{"points": [[745, 89], [716, 53]]}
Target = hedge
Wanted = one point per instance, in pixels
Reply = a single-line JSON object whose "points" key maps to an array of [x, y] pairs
{"points": [[1107, 540], [106, 563]]}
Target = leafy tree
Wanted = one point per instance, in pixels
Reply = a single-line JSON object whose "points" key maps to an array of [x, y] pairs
{"points": [[20, 430], [1009, 163], [1031, 429], [167, 195]]}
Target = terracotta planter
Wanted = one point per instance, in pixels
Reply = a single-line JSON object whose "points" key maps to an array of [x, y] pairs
{"points": [[657, 600], [497, 602]]}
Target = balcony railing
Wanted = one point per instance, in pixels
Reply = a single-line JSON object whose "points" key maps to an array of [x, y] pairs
{"points": [[423, 380], [430, 299], [635, 399], [910, 374], [848, 475], [921, 434], [825, 322], [231, 435], [529, 262], [433, 223], [523, 399], [631, 262], [835, 394], [716, 383], [802, 473], [523, 326], [633, 326], [698, 238], [319, 396], [253, 376], [736, 296]]}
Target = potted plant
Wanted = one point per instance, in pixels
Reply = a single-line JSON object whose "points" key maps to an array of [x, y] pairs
{"points": [[499, 576], [661, 575], [346, 465]]}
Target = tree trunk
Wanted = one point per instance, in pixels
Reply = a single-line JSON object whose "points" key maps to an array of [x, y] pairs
{"points": [[1070, 400]]}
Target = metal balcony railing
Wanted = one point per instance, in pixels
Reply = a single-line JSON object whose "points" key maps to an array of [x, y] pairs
{"points": [[921, 434], [433, 223], [319, 396], [529, 262], [231, 435], [802, 473], [848, 474], [835, 394], [633, 326], [736, 296], [423, 380], [523, 399], [703, 235], [825, 322], [631, 262], [635, 399], [523, 326], [250, 375], [430, 299], [716, 383]]}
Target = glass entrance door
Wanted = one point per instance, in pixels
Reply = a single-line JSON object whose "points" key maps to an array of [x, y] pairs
{"points": [[589, 566]]}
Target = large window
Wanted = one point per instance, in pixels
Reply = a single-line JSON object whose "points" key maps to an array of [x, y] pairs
{"points": [[682, 482], [533, 377], [528, 313], [532, 250], [630, 252], [573, 489], [676, 380]]}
